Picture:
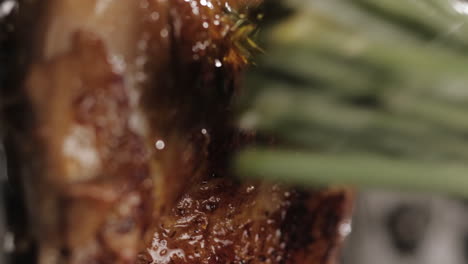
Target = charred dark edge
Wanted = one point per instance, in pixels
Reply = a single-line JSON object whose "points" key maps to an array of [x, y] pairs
{"points": [[15, 118]]}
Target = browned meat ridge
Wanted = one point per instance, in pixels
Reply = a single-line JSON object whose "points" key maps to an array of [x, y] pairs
{"points": [[125, 159]]}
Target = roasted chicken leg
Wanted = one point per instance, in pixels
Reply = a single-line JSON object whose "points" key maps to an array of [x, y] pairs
{"points": [[124, 157]]}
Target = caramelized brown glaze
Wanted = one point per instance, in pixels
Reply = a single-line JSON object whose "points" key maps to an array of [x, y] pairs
{"points": [[203, 215], [131, 138], [219, 221]]}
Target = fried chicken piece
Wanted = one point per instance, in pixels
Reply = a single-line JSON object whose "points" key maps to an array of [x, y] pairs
{"points": [[127, 151]]}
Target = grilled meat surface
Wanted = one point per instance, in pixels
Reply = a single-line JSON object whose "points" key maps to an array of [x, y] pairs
{"points": [[125, 155]]}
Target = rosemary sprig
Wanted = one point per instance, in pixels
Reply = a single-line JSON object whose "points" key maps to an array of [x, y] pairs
{"points": [[339, 78]]}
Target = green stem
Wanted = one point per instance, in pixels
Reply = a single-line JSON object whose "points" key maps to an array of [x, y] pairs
{"points": [[356, 169]]}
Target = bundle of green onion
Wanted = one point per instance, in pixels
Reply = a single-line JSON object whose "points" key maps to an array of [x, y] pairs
{"points": [[362, 92]]}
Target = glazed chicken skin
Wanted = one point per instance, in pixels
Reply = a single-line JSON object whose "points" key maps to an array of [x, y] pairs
{"points": [[129, 137]]}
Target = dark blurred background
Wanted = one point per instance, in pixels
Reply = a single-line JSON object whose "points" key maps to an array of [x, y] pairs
{"points": [[404, 228]]}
